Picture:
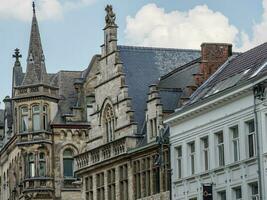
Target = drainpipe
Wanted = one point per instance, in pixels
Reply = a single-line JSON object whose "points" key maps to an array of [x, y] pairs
{"points": [[258, 92]]}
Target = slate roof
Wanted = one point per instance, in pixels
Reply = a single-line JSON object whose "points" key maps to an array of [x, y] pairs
{"points": [[144, 66], [238, 70], [68, 96], [2, 118]]}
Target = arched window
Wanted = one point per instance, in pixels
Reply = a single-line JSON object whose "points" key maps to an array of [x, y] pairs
{"points": [[31, 165], [42, 164], [109, 120], [45, 118], [36, 118], [24, 119], [68, 163]]}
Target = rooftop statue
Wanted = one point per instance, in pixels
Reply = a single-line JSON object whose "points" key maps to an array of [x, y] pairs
{"points": [[111, 16]]}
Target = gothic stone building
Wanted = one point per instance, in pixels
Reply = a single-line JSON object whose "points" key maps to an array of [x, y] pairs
{"points": [[107, 117], [129, 91]]}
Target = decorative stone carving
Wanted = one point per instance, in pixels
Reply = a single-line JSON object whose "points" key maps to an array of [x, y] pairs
{"points": [[111, 16]]}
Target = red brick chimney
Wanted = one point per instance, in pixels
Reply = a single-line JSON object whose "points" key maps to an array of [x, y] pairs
{"points": [[213, 55]]}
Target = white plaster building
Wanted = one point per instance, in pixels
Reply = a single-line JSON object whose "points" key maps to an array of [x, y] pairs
{"points": [[214, 136]]}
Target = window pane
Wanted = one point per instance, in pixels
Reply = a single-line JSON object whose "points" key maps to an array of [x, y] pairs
{"points": [[42, 168], [68, 167]]}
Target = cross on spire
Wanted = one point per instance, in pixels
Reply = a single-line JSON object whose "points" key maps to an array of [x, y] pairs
{"points": [[33, 6], [17, 55]]}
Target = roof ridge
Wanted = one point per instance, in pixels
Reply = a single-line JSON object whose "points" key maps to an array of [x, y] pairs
{"points": [[156, 48]]}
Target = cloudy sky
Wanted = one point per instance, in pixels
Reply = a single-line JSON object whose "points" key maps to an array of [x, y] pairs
{"points": [[71, 30]]}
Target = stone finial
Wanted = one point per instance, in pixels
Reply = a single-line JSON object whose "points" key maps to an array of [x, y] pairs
{"points": [[17, 55], [111, 16]]}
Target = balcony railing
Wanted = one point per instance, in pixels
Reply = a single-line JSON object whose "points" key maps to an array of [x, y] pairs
{"points": [[105, 152], [34, 137]]}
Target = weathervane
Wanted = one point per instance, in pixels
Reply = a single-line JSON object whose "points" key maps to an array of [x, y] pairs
{"points": [[111, 16], [17, 55]]}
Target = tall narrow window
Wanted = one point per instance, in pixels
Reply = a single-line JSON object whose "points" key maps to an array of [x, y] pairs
{"points": [[137, 179], [237, 193], [179, 161], [220, 148], [109, 123], [205, 150], [254, 191], [89, 192], [100, 186], [156, 177], [192, 157], [123, 182], [221, 195], [42, 163], [251, 139], [68, 163], [45, 118], [24, 125], [235, 143], [112, 184], [36, 118], [31, 165]]}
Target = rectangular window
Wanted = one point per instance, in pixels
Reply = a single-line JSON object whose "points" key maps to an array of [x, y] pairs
{"points": [[112, 184], [222, 195], [89, 193], [192, 157], [137, 179], [220, 148], [254, 191], [205, 150], [36, 118], [156, 177], [237, 193], [235, 143], [123, 182], [179, 161], [251, 139], [100, 186], [24, 120]]}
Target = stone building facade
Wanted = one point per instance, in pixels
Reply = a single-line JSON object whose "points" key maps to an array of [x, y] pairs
{"points": [[97, 134], [41, 128]]}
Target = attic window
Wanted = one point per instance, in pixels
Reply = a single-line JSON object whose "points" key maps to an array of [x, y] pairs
{"points": [[258, 71]]}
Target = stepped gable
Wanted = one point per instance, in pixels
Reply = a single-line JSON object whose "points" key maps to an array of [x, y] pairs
{"points": [[144, 66]]}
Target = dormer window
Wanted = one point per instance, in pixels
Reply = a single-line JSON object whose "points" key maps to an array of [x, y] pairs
{"points": [[24, 123], [109, 120]]}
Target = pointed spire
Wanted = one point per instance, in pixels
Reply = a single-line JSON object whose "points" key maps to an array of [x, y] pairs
{"points": [[36, 70]]}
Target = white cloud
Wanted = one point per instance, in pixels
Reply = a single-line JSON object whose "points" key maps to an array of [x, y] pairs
{"points": [[258, 32], [46, 9], [152, 26]]}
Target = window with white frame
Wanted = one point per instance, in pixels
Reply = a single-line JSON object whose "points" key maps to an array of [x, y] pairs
{"points": [[24, 119], [192, 155], [31, 165], [235, 143], [36, 121], [205, 153], [251, 138], [220, 148], [254, 191], [179, 161], [237, 193], [221, 195]]}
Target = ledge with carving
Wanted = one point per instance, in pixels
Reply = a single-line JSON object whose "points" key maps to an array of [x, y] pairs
{"points": [[35, 137], [105, 152]]}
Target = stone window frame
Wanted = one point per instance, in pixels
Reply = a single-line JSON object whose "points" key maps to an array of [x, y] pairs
{"points": [[89, 188], [44, 116], [111, 183], [21, 115], [123, 180], [75, 152], [100, 186]]}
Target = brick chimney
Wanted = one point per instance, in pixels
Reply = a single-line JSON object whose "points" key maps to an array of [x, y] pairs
{"points": [[213, 55]]}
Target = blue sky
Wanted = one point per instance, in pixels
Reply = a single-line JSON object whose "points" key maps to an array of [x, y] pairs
{"points": [[71, 31]]}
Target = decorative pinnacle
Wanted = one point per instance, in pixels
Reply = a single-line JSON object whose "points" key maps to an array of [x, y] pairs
{"points": [[17, 55], [33, 6]]}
